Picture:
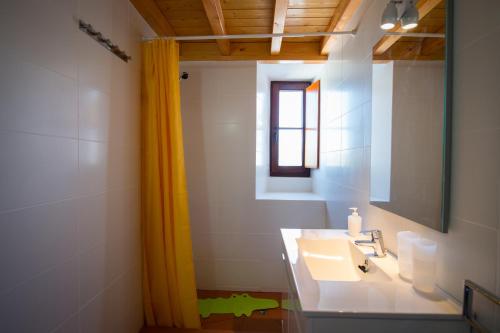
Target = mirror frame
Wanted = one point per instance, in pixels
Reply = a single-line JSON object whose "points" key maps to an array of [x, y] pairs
{"points": [[448, 111]]}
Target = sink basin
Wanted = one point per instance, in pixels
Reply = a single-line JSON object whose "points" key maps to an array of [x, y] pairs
{"points": [[326, 283], [337, 260]]}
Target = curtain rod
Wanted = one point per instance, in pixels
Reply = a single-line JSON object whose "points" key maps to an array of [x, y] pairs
{"points": [[293, 35], [245, 36]]}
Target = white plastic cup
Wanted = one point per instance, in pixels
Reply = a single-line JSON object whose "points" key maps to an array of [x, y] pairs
{"points": [[405, 249], [424, 265]]}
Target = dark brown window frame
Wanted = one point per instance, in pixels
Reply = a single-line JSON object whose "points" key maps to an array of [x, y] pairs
{"points": [[275, 169]]}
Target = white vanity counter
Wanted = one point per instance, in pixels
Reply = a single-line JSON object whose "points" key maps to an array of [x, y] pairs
{"points": [[325, 282]]}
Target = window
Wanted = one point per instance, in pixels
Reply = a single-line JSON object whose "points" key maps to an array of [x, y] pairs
{"points": [[294, 128]]}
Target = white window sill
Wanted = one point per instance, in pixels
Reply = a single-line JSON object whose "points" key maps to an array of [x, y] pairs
{"points": [[292, 196]]}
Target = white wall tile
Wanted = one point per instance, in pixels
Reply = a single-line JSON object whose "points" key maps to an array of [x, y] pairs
{"points": [[95, 271], [120, 26], [232, 218], [99, 13], [123, 165], [238, 274], [352, 168], [48, 234], [37, 169], [69, 191], [237, 246], [94, 64], [68, 326], [333, 133], [103, 264], [475, 177], [93, 167], [93, 213], [275, 277], [367, 123], [352, 129], [234, 108], [123, 118], [48, 40], [47, 301], [205, 274], [110, 311], [93, 114], [36, 100], [468, 252], [481, 18], [471, 110]]}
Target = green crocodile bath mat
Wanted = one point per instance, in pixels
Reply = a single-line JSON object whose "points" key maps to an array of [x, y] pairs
{"points": [[237, 304]]}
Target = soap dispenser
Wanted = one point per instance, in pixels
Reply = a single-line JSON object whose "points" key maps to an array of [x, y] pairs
{"points": [[354, 223]]}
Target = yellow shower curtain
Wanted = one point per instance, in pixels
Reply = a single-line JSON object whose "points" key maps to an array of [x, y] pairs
{"points": [[168, 271]]}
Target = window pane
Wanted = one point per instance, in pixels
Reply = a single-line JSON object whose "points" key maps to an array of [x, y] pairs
{"points": [[290, 108], [290, 148]]}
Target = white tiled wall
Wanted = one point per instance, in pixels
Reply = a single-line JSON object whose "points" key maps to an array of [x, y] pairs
{"points": [[235, 237], [69, 168], [471, 249]]}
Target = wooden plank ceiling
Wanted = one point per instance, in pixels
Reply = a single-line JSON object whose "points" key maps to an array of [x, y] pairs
{"points": [[432, 20], [209, 17]]}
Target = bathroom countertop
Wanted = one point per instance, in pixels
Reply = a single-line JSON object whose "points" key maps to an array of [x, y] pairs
{"points": [[381, 299]]}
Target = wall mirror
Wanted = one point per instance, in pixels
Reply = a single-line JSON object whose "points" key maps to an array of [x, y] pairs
{"points": [[411, 118]]}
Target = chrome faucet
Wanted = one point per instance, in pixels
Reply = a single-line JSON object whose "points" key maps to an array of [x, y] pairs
{"points": [[377, 242]]}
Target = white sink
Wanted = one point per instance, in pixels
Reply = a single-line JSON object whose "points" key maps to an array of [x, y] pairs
{"points": [[322, 266], [337, 260]]}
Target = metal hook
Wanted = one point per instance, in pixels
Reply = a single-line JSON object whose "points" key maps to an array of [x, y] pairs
{"points": [[105, 42]]}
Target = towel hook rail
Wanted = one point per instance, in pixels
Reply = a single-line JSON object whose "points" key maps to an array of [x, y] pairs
{"points": [[105, 42]]}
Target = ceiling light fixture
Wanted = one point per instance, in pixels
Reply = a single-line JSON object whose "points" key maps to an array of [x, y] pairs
{"points": [[389, 17], [409, 15], [409, 20]]}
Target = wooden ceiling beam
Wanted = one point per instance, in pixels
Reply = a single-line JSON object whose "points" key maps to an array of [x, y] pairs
{"points": [[213, 9], [154, 16], [384, 59], [424, 7], [200, 51], [433, 45], [341, 16], [280, 8], [410, 50]]}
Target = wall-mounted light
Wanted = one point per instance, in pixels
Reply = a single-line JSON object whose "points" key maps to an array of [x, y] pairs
{"points": [[408, 14]]}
